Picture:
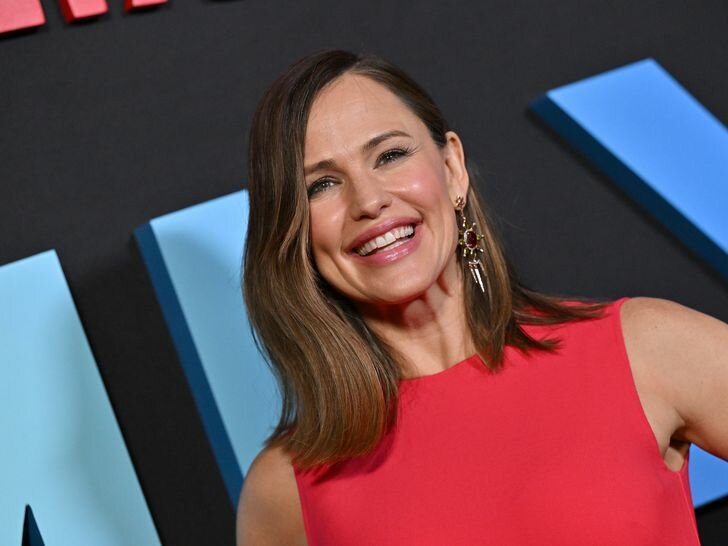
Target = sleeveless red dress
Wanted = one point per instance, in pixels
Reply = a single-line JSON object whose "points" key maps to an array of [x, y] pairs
{"points": [[553, 450]]}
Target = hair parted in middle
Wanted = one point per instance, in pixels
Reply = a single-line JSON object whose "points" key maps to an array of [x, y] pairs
{"points": [[338, 380]]}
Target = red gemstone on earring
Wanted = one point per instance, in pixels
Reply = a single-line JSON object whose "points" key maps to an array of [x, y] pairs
{"points": [[471, 239]]}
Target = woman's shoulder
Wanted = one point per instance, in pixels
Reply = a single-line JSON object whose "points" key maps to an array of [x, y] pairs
{"points": [[269, 509], [683, 352]]}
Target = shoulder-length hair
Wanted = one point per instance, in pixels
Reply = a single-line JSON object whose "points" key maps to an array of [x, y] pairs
{"points": [[338, 380]]}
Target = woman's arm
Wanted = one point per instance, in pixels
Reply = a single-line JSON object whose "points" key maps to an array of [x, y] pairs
{"points": [[685, 354], [269, 510]]}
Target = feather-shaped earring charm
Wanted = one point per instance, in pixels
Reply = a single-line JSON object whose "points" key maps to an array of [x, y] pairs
{"points": [[469, 242]]}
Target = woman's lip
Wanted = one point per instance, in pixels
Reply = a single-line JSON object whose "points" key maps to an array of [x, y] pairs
{"points": [[380, 229], [387, 256]]}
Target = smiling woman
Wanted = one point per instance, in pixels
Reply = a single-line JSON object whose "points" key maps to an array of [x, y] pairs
{"points": [[327, 173], [405, 346], [398, 182]]}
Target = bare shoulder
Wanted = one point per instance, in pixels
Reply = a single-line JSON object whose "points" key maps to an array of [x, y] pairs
{"points": [[664, 338], [671, 330], [269, 510], [682, 354]]}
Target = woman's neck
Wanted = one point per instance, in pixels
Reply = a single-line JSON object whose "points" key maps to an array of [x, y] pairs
{"points": [[430, 333]]}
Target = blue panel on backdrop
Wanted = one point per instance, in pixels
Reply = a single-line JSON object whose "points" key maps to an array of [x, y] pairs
{"points": [[659, 144], [61, 449], [194, 259], [669, 154]]}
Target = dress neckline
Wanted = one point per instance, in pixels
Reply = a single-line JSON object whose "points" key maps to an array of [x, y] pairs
{"points": [[473, 359]]}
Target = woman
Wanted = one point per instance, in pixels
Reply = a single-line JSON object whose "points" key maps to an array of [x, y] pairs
{"points": [[428, 396]]}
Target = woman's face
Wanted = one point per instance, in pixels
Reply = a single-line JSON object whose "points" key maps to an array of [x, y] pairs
{"points": [[381, 194]]}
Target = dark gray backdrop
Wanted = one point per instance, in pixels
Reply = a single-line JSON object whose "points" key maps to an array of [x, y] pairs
{"points": [[107, 124]]}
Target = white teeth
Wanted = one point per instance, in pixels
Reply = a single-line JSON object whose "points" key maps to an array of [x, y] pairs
{"points": [[386, 239]]}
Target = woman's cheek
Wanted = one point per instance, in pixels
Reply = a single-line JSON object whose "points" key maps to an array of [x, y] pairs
{"points": [[326, 232], [425, 189]]}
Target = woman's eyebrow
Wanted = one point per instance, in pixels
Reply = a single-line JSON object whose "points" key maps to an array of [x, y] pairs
{"points": [[372, 143]]}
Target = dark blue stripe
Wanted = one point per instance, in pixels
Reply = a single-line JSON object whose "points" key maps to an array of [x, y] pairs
{"points": [[190, 359], [630, 183]]}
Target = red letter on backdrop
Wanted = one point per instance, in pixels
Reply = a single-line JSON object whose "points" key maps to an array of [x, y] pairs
{"points": [[18, 14], [80, 9], [134, 4]]}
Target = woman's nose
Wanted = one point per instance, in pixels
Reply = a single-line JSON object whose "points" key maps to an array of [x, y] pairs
{"points": [[367, 198]]}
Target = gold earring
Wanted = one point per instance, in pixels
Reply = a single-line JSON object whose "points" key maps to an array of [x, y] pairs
{"points": [[469, 242]]}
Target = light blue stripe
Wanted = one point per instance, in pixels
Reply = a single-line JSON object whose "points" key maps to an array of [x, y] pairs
{"points": [[62, 451], [194, 258]]}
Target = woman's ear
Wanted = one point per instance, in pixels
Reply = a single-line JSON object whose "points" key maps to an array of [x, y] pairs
{"points": [[456, 173]]}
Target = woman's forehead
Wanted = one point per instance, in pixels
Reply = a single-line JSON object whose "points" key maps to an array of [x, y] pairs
{"points": [[354, 108]]}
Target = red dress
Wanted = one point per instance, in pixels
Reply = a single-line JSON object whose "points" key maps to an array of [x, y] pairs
{"points": [[553, 450]]}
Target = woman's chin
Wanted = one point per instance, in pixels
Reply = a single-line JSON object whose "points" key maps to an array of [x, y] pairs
{"points": [[395, 292]]}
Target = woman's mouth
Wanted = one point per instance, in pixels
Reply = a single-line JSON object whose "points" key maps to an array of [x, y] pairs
{"points": [[387, 241]]}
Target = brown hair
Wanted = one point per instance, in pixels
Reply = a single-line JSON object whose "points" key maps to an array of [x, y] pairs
{"points": [[338, 380]]}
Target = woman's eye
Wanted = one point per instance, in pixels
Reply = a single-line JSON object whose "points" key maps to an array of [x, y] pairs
{"points": [[393, 154], [322, 184]]}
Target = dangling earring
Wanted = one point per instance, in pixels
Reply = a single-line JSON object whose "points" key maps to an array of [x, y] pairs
{"points": [[469, 239]]}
